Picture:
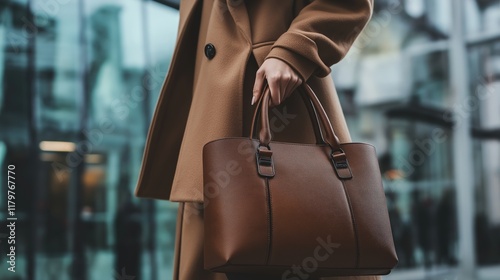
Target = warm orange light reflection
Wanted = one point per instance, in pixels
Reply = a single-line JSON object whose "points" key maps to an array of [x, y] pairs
{"points": [[57, 146]]}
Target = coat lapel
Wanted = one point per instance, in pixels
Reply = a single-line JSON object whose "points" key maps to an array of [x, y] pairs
{"points": [[238, 11], [185, 9]]}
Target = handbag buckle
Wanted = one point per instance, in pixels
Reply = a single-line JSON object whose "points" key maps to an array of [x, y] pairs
{"points": [[341, 164], [265, 163]]}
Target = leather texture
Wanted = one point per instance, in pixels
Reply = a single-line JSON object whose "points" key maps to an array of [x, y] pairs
{"points": [[271, 205], [188, 258]]}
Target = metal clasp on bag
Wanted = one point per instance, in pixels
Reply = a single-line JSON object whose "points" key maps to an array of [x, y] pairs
{"points": [[265, 163], [340, 164]]}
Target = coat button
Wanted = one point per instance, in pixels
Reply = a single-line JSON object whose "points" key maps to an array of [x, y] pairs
{"points": [[209, 51]]}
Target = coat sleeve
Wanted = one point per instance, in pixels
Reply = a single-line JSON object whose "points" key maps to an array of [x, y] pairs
{"points": [[321, 34]]}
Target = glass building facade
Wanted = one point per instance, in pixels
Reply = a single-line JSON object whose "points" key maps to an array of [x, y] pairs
{"points": [[79, 80]]}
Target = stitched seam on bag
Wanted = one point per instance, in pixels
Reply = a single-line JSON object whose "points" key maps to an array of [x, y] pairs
{"points": [[287, 143], [269, 221], [354, 225]]}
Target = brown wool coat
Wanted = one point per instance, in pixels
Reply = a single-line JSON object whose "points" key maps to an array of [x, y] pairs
{"points": [[310, 36]]}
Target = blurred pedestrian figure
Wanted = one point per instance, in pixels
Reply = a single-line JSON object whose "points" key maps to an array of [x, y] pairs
{"points": [[396, 221], [128, 228], [446, 228], [422, 215], [407, 242]]}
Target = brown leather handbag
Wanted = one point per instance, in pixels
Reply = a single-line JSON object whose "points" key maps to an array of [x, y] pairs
{"points": [[295, 210]]}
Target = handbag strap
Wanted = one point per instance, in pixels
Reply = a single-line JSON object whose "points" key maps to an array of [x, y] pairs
{"points": [[322, 123], [256, 110], [313, 118], [264, 154], [310, 109]]}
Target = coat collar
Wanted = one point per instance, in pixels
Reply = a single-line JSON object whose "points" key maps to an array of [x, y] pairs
{"points": [[237, 8]]}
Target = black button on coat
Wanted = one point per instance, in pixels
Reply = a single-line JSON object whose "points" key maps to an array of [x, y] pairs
{"points": [[209, 51]]}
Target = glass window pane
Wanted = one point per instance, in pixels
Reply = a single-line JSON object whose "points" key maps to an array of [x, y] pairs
{"points": [[58, 95], [16, 34], [116, 62], [16, 38], [412, 20], [129, 47], [430, 78], [485, 84], [58, 68], [482, 16]]}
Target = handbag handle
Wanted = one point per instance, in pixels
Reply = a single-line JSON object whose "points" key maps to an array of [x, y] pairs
{"points": [[322, 121], [264, 154]]}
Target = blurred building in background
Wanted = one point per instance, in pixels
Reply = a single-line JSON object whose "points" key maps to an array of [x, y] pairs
{"points": [[79, 81], [422, 84]]}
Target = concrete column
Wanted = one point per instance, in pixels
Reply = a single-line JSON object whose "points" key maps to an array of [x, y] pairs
{"points": [[463, 163]]}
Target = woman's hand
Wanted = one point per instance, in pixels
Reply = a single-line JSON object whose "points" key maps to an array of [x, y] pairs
{"points": [[281, 78]]}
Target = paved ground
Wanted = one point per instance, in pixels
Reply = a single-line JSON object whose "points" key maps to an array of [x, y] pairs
{"points": [[486, 273]]}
